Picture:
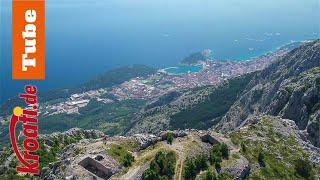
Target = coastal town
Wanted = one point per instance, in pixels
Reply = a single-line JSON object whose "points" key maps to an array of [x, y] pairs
{"points": [[212, 73]]}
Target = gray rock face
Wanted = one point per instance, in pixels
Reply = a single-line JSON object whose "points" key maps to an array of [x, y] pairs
{"points": [[175, 134], [74, 132], [146, 140], [289, 128], [239, 168], [156, 117], [289, 88], [314, 133]]}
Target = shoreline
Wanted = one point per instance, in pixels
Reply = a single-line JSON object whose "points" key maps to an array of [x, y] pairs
{"points": [[286, 45], [5, 98], [165, 70], [292, 42]]}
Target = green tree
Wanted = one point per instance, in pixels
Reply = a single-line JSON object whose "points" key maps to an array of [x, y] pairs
{"points": [[193, 166], [149, 174], [189, 169], [303, 168], [261, 159], [161, 167], [201, 162], [168, 168], [128, 159], [224, 150], [210, 175], [170, 138], [217, 165], [243, 147], [215, 156]]}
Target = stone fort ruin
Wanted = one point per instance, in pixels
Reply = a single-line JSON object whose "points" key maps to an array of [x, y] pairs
{"points": [[95, 167]]}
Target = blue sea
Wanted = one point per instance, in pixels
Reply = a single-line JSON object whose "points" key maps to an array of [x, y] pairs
{"points": [[85, 38]]}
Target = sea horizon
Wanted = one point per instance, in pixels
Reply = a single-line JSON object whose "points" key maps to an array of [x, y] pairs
{"points": [[98, 36]]}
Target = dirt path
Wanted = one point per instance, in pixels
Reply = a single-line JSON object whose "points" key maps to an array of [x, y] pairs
{"points": [[131, 173], [180, 173], [135, 173]]}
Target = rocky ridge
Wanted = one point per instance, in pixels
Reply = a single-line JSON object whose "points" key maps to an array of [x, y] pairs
{"points": [[258, 135], [289, 88]]}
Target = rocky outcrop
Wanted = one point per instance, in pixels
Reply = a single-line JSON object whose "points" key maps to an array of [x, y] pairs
{"points": [[72, 162], [146, 140], [238, 168], [175, 134], [75, 132], [284, 128], [208, 138], [156, 117], [314, 132], [66, 167], [289, 88]]}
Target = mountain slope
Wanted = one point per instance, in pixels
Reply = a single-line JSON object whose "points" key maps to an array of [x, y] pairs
{"points": [[275, 148], [289, 88], [197, 108], [267, 147], [118, 76]]}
